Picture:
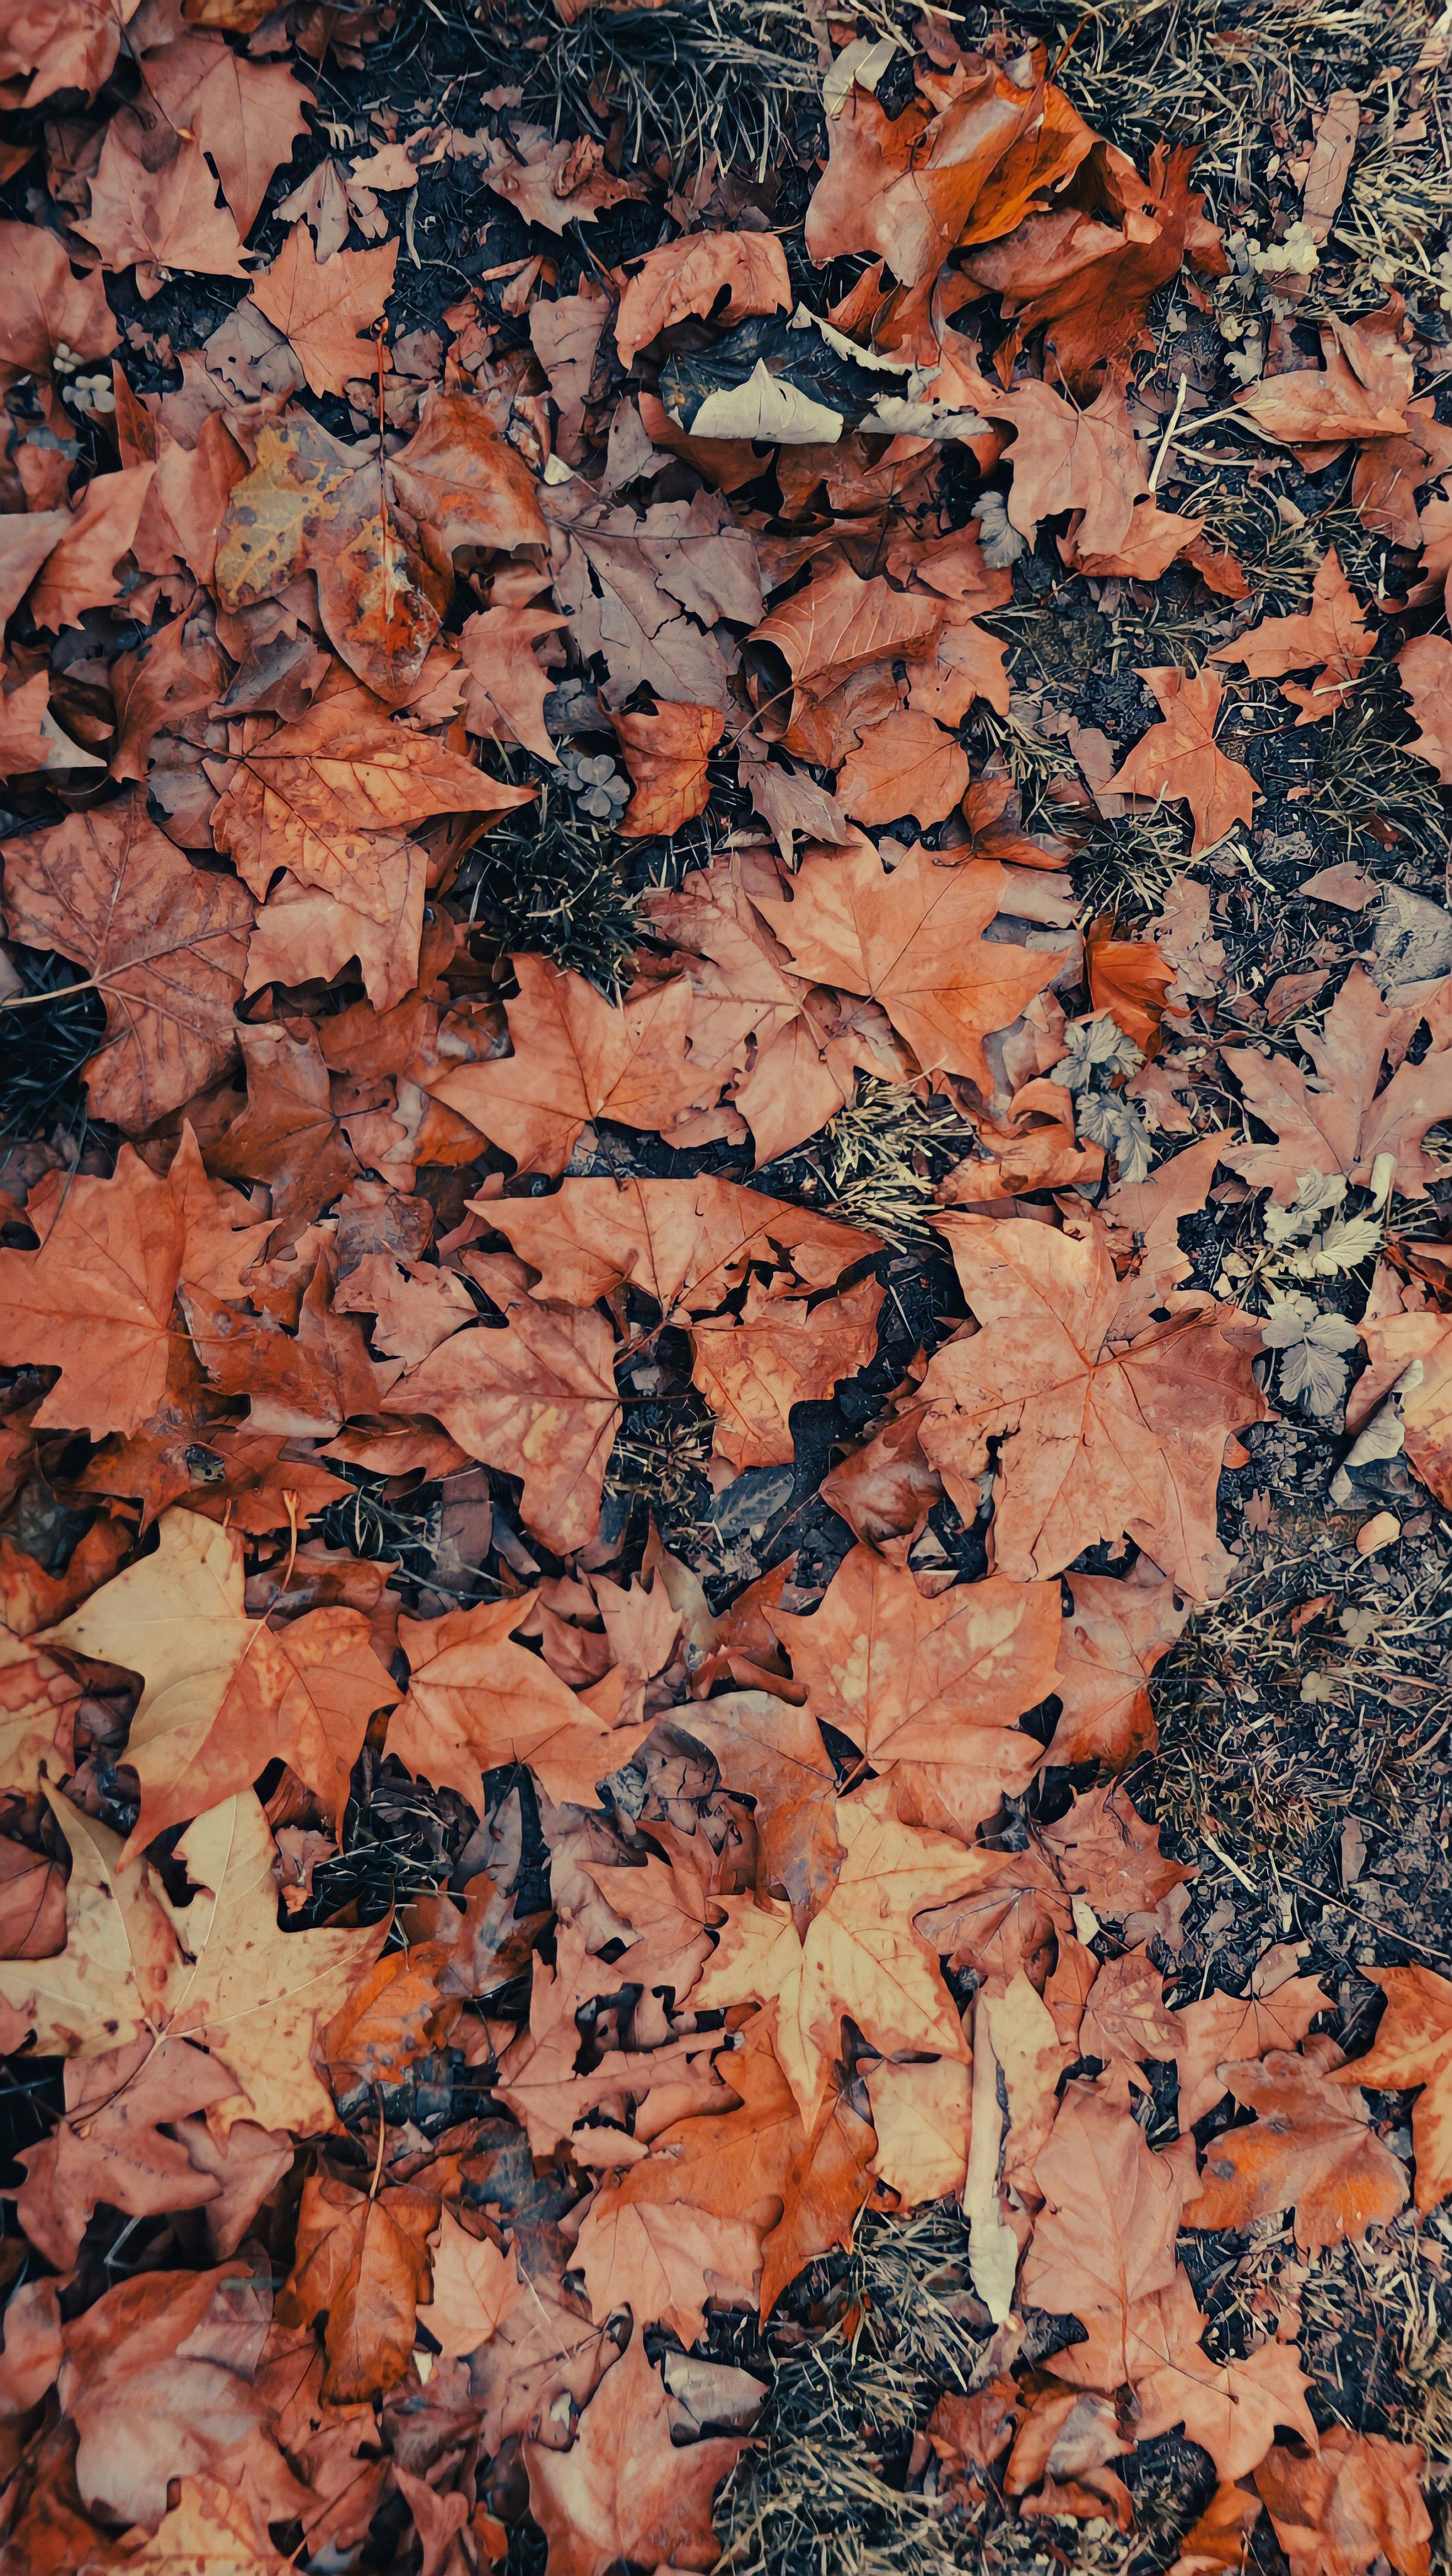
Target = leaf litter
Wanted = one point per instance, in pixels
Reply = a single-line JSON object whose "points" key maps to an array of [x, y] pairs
{"points": [[725, 1307]]}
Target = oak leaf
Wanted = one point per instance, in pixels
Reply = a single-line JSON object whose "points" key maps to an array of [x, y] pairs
{"points": [[623, 2490], [686, 276], [536, 1400], [576, 1058], [476, 1701], [666, 755], [912, 941], [1100, 1440], [1178, 757], [165, 942], [223, 1694], [1352, 2500], [1309, 2150], [323, 311], [861, 1953]]}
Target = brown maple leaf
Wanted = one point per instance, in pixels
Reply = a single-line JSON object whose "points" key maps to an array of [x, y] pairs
{"points": [[224, 1695], [1339, 1120], [361, 2266], [1332, 631], [912, 941], [476, 1700], [1100, 1440], [80, 569], [553, 183], [1424, 667], [95, 1300], [287, 1135], [324, 311], [47, 305], [1111, 1643], [1105, 2239], [165, 943], [1309, 2150], [1413, 2046], [779, 1352], [537, 1400], [908, 186], [576, 1057], [505, 686], [623, 2490], [666, 755], [686, 1244], [1178, 757], [905, 765], [861, 1953], [1351, 2500], [1224, 2030], [687, 276]]}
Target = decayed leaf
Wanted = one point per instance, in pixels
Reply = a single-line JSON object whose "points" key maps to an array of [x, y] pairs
{"points": [[861, 1954], [1332, 631], [551, 182], [666, 755], [323, 311], [1100, 1440], [477, 1700], [1308, 2150], [912, 940], [687, 276], [1178, 757], [224, 1695], [1354, 2499], [165, 941], [623, 2490]]}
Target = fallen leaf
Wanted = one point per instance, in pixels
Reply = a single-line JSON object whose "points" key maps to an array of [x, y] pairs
{"points": [[476, 1701], [1333, 632], [1308, 2150], [225, 1695], [1424, 667], [1105, 2240], [907, 186], [361, 2266], [1178, 757], [1413, 2046], [779, 1352], [687, 276], [323, 311], [912, 941], [666, 755], [686, 1244], [623, 2490], [1110, 1644], [165, 942], [1135, 1451], [861, 1954], [905, 765], [1356, 2498], [80, 568], [1337, 1120]]}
